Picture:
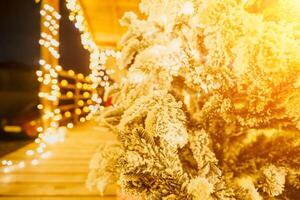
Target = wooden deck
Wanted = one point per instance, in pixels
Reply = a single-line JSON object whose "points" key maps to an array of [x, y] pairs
{"points": [[63, 174]]}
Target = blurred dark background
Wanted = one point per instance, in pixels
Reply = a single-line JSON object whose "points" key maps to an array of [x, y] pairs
{"points": [[19, 56]]}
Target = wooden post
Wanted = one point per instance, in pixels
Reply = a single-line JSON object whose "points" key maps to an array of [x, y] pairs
{"points": [[76, 99], [49, 10]]}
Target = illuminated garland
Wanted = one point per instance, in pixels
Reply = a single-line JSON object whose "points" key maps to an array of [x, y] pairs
{"points": [[47, 76], [99, 75]]}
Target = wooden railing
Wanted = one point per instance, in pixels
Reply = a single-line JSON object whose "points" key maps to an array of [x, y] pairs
{"points": [[66, 97], [75, 99]]}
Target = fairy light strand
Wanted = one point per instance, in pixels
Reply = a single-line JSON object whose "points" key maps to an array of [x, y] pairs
{"points": [[48, 75], [99, 75]]}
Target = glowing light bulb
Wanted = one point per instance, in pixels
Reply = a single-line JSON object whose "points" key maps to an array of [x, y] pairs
{"points": [[21, 164], [53, 22], [29, 152], [48, 17], [40, 150], [80, 76], [54, 81], [47, 66], [54, 124], [71, 72], [86, 109], [57, 16], [86, 94], [80, 103], [89, 117], [9, 163], [41, 42], [77, 111], [67, 114], [39, 73], [39, 129], [72, 17], [40, 106], [43, 12], [3, 162], [6, 170], [43, 145], [69, 94], [64, 83], [46, 155], [34, 162], [79, 85], [46, 24], [37, 140], [70, 125], [57, 111], [42, 62], [89, 101], [82, 119]]}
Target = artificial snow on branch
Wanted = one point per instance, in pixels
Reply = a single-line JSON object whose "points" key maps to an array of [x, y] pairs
{"points": [[210, 108]]}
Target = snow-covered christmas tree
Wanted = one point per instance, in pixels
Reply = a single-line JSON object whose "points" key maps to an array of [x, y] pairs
{"points": [[210, 108]]}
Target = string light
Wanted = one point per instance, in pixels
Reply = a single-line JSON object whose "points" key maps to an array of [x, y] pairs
{"points": [[21, 164], [30, 153], [34, 162], [99, 75], [67, 114], [70, 125], [6, 170], [48, 76]]}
